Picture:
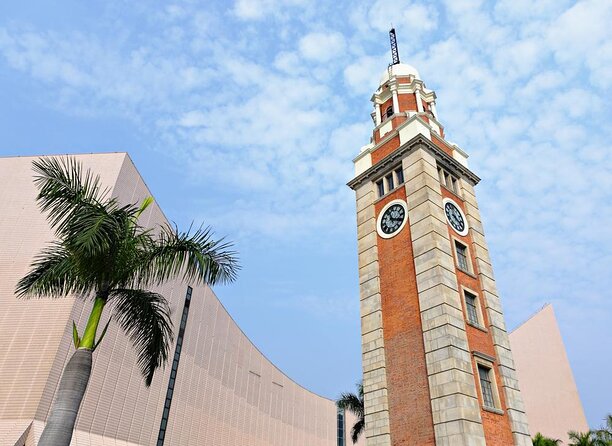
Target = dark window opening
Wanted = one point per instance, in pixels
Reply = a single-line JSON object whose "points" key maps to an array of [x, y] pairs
{"points": [[340, 425], [390, 184], [449, 181], [389, 112], [462, 260], [399, 173], [472, 310], [381, 188], [175, 362], [486, 386]]}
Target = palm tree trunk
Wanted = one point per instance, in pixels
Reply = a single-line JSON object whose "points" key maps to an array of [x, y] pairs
{"points": [[60, 424], [65, 408]]}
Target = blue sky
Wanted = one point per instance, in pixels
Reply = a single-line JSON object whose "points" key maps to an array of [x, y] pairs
{"points": [[246, 115]]}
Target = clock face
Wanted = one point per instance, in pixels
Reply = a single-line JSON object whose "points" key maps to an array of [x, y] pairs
{"points": [[392, 218], [455, 216]]}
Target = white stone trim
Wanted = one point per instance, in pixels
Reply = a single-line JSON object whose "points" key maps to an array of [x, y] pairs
{"points": [[385, 128], [419, 101], [381, 213], [395, 102], [467, 226], [468, 252], [481, 320], [432, 106], [480, 360]]}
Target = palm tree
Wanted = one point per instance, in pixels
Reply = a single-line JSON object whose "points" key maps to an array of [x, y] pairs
{"points": [[354, 403], [102, 253], [582, 438], [604, 434], [541, 440]]}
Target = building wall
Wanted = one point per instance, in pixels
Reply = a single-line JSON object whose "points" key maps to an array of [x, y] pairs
{"points": [[551, 398], [226, 393], [31, 331]]}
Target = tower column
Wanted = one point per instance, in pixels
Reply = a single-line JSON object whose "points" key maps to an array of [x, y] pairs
{"points": [[454, 403], [378, 117], [419, 101], [497, 326], [396, 108], [432, 106], [376, 404]]}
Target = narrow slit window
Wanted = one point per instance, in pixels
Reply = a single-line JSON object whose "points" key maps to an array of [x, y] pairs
{"points": [[462, 258], [175, 363], [486, 386], [471, 308], [390, 184], [399, 173], [381, 188], [449, 180]]}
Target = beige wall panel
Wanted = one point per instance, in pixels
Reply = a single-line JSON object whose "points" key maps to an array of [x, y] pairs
{"points": [[33, 326], [551, 399]]}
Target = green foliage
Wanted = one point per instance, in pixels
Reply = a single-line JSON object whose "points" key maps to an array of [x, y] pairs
{"points": [[75, 335], [102, 252], [354, 403], [541, 440], [583, 439], [102, 335], [604, 434]]}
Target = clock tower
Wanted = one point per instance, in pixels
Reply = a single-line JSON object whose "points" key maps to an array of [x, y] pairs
{"points": [[437, 365]]}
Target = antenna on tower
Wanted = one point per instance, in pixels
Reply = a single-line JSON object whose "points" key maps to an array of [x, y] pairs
{"points": [[394, 52]]}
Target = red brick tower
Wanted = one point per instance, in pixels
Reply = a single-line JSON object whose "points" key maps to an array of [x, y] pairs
{"points": [[437, 365]]}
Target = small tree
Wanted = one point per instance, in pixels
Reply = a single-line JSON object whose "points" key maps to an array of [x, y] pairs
{"points": [[583, 438], [102, 253], [541, 440], [604, 434], [354, 403]]}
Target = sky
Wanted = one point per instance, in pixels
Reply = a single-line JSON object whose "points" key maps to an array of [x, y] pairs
{"points": [[246, 115]]}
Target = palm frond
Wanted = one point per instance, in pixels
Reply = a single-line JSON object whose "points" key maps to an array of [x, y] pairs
{"points": [[96, 229], [64, 189], [197, 257], [53, 273], [581, 438], [145, 317], [357, 429], [541, 440], [350, 401]]}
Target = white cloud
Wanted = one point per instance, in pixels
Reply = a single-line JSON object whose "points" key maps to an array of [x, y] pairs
{"points": [[259, 9], [322, 47], [581, 35], [403, 14], [528, 9], [362, 75], [194, 118]]}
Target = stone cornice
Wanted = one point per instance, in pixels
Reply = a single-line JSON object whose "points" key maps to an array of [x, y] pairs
{"points": [[419, 141], [484, 356]]}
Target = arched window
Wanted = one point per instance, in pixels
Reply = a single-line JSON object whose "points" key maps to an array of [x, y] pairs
{"points": [[389, 112]]}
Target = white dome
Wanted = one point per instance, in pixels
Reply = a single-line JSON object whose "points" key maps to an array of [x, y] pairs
{"points": [[400, 69]]}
